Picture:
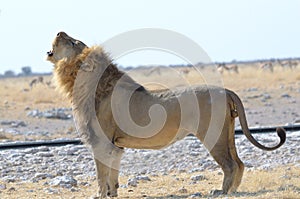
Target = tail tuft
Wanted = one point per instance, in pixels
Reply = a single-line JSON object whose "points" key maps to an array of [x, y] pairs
{"points": [[282, 134]]}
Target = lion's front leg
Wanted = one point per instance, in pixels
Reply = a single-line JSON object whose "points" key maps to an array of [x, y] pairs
{"points": [[113, 181], [102, 174]]}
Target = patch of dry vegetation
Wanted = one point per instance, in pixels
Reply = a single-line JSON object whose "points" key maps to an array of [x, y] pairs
{"points": [[16, 95], [16, 91], [253, 77], [249, 76], [280, 183]]}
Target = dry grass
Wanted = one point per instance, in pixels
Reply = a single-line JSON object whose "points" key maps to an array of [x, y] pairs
{"points": [[280, 183], [252, 77], [17, 91], [249, 76], [16, 95]]}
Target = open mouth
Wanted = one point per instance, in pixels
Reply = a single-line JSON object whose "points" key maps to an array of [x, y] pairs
{"points": [[50, 53]]}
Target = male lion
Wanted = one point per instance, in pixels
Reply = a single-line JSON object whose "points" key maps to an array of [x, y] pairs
{"points": [[70, 57]]}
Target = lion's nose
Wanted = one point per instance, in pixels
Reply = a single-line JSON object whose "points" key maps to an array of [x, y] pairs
{"points": [[50, 53]]}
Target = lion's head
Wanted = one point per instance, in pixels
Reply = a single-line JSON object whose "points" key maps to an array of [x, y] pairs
{"points": [[70, 55], [64, 47]]}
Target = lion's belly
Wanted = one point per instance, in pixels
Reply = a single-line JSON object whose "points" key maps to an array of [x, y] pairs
{"points": [[162, 139]]}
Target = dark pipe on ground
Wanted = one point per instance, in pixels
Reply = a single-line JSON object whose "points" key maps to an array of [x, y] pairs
{"points": [[63, 142]]}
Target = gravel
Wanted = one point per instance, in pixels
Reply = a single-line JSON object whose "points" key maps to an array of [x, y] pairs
{"points": [[69, 165], [55, 113], [13, 123]]}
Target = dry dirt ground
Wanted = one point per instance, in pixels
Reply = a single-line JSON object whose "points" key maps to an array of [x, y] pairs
{"points": [[269, 98]]}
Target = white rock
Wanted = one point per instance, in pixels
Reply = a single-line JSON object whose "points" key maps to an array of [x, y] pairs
{"points": [[198, 178], [64, 181], [132, 182], [143, 178]]}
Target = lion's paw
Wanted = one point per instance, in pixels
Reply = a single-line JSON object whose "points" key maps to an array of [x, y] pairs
{"points": [[217, 192]]}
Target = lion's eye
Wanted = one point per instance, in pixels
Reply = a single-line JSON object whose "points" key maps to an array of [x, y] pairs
{"points": [[58, 34], [73, 43]]}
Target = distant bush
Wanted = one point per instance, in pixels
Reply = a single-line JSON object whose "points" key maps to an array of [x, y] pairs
{"points": [[9, 73], [26, 70]]}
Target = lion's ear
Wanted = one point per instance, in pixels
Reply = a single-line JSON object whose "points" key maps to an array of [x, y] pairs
{"points": [[87, 67]]}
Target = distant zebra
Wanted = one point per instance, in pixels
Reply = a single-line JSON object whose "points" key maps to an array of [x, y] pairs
{"points": [[222, 67], [35, 81]]}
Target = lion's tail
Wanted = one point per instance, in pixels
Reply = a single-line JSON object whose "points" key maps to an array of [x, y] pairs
{"points": [[242, 117]]}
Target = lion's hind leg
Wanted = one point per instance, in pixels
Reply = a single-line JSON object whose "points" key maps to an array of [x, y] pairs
{"points": [[224, 152], [229, 166], [239, 173], [235, 157]]}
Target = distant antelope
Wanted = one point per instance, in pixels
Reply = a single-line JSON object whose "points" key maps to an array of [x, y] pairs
{"points": [[35, 81], [267, 66], [222, 67], [48, 83], [185, 71], [155, 69], [289, 63]]}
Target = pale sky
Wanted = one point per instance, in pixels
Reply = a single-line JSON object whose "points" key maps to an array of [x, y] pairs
{"points": [[226, 30]]}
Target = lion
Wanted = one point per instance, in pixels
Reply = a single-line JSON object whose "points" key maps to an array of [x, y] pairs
{"points": [[71, 57]]}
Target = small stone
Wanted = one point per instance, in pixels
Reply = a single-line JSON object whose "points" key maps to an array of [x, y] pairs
{"points": [[198, 178], [12, 189], [195, 170], [86, 184], [195, 154], [17, 124], [30, 150], [251, 89], [43, 148], [2, 186], [182, 190], [9, 179], [143, 178], [5, 122], [74, 189], [132, 182], [285, 95], [64, 181], [196, 195], [45, 154], [123, 186], [40, 176], [266, 96], [266, 166], [51, 191]]}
